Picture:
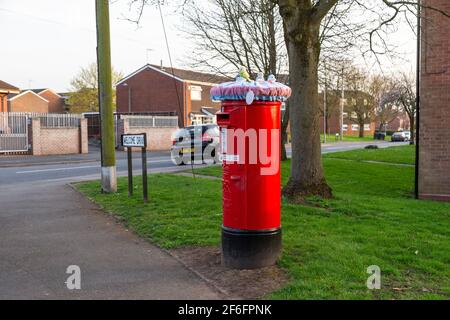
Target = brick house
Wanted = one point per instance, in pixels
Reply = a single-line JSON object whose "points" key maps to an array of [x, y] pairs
{"points": [[351, 127], [154, 89], [56, 103], [35, 100], [5, 90], [27, 101], [434, 137], [399, 123]]}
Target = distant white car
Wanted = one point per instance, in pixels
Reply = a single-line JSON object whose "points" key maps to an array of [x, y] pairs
{"points": [[401, 136]]}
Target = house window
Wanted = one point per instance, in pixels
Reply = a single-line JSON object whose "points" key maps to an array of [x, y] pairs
{"points": [[355, 127], [345, 127], [196, 93], [367, 127]]}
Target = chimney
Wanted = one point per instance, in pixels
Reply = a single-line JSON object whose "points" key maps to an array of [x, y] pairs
{"points": [[162, 66]]}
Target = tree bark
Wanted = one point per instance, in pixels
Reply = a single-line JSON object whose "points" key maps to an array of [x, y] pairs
{"points": [[272, 42], [307, 176], [361, 129], [412, 122], [284, 133]]}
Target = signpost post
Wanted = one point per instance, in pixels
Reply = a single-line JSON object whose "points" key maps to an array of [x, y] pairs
{"points": [[131, 141], [130, 171], [144, 170]]}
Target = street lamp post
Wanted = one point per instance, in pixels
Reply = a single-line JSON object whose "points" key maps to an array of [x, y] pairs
{"points": [[342, 106], [325, 113]]}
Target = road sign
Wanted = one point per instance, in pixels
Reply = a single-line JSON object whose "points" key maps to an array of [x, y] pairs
{"points": [[131, 141], [134, 140]]}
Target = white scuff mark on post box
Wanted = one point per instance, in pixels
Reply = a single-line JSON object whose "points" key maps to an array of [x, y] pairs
{"points": [[223, 140], [231, 158]]}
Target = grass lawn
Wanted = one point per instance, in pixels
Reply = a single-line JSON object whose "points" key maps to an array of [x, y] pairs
{"points": [[332, 138], [400, 155], [329, 244]]}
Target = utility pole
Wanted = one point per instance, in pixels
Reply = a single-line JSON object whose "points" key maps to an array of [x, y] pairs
{"points": [[342, 105], [109, 178]]}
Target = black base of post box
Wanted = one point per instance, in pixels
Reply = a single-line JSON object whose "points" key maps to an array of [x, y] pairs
{"points": [[242, 249]]}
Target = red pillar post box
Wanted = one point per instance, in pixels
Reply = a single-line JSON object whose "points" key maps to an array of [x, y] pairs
{"points": [[250, 121]]}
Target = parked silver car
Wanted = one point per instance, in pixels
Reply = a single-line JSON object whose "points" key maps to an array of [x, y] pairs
{"points": [[200, 143], [401, 136]]}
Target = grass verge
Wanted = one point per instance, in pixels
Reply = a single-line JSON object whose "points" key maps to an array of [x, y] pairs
{"points": [[328, 245], [397, 155], [332, 138]]}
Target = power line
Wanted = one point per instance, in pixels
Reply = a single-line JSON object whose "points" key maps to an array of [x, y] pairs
{"points": [[173, 74], [50, 21]]}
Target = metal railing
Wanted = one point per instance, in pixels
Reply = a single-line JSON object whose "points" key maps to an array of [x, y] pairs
{"points": [[60, 120], [13, 132], [166, 121], [151, 121]]}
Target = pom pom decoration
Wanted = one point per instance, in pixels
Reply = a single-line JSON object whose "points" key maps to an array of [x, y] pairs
{"points": [[271, 79], [260, 78]]}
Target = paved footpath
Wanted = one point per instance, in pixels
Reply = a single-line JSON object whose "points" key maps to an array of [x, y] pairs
{"points": [[44, 228]]}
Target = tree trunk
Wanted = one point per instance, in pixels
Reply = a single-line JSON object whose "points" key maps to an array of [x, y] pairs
{"points": [[307, 176], [361, 129], [272, 42], [284, 133], [412, 124]]}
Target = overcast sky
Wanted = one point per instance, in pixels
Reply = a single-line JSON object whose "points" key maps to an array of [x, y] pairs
{"points": [[45, 42]]}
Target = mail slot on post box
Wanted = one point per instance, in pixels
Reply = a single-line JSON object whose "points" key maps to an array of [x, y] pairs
{"points": [[250, 120]]}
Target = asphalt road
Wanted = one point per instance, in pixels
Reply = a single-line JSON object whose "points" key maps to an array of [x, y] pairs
{"points": [[18, 170]]}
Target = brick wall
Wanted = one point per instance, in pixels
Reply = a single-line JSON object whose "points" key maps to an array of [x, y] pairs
{"points": [[35, 137], [158, 138], [58, 141], [83, 136], [3, 102], [434, 163]]}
